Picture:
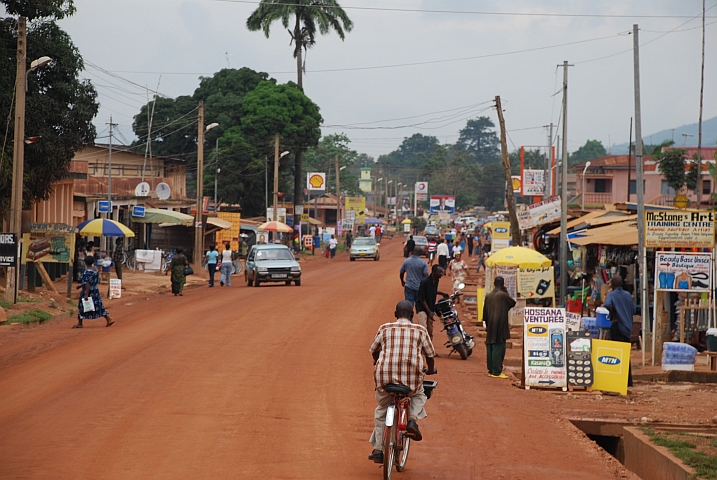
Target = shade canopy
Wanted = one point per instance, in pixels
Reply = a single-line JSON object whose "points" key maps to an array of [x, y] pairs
{"points": [[219, 222], [98, 227], [373, 221], [275, 227], [166, 217], [406, 221], [519, 256]]}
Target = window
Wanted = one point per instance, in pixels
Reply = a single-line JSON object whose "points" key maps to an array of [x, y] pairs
{"points": [[603, 185], [706, 186], [633, 187], [665, 188]]}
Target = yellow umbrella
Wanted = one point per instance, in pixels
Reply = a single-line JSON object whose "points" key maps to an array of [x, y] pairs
{"points": [[520, 256], [487, 224], [406, 221]]}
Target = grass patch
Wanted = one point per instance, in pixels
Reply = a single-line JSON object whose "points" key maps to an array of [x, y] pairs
{"points": [[4, 304], [30, 316], [72, 303], [28, 300], [688, 451]]}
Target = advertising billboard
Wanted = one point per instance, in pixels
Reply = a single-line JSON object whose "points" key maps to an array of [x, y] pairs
{"points": [[316, 182], [443, 203]]}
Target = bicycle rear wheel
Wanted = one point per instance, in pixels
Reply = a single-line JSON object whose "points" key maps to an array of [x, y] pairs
{"points": [[403, 455], [389, 449]]}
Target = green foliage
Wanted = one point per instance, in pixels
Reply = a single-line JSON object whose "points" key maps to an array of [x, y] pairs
{"points": [[28, 300], [34, 9], [704, 464], [59, 107], [591, 149], [29, 316], [491, 187], [419, 223], [4, 304], [480, 141], [671, 164]]}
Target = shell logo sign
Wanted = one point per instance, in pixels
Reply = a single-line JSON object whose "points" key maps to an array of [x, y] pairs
{"points": [[316, 181]]}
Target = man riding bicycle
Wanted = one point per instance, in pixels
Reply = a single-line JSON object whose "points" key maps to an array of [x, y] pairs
{"points": [[398, 351]]}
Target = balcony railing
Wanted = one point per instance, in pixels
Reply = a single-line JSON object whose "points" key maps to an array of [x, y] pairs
{"points": [[597, 198]]}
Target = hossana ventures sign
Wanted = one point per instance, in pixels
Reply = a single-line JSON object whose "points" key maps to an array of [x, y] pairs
{"points": [[679, 229]]}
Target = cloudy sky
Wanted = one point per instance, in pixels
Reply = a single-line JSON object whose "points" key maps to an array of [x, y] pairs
{"points": [[421, 66]]}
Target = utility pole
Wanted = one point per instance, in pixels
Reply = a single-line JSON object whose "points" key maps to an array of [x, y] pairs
{"points": [[109, 172], [549, 160], [198, 227], [699, 123], [375, 187], [629, 163], [18, 170], [514, 229], [641, 251], [275, 217], [338, 195], [216, 174], [564, 194]]}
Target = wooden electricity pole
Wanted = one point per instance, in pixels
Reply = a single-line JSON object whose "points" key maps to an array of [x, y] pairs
{"points": [[198, 230], [514, 229]]}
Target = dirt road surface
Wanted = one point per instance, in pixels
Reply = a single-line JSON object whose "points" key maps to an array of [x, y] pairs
{"points": [[270, 382]]}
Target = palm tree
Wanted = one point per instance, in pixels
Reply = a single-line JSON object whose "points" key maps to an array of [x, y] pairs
{"points": [[308, 14]]}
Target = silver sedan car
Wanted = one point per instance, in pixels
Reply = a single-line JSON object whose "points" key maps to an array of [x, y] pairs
{"points": [[364, 247]]}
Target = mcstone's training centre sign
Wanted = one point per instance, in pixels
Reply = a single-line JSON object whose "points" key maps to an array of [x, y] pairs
{"points": [[679, 229]]}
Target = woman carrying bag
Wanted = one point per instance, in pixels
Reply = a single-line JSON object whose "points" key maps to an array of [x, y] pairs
{"points": [[89, 305]]}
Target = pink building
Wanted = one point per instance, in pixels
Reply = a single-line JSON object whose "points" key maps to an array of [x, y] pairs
{"points": [[610, 180]]}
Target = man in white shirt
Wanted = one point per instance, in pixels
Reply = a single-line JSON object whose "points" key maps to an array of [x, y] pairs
{"points": [[332, 246], [372, 231], [443, 253]]}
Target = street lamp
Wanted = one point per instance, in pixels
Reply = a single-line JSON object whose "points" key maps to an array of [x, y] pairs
{"points": [[198, 227], [19, 149], [587, 165], [276, 182]]}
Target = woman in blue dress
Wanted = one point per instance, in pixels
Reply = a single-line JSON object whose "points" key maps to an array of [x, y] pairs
{"points": [[90, 280]]}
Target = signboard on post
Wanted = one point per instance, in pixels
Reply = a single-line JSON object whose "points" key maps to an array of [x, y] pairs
{"points": [[104, 206], [138, 211], [421, 191], [443, 203], [541, 213], [316, 183], [544, 347], [679, 229], [49, 243], [280, 212], [500, 238], [533, 183], [356, 209], [8, 250], [517, 182], [536, 282], [683, 272]]}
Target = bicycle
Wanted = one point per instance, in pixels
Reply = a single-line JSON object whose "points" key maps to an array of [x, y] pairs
{"points": [[396, 442]]}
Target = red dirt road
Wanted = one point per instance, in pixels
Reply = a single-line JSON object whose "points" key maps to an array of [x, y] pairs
{"points": [[269, 382]]}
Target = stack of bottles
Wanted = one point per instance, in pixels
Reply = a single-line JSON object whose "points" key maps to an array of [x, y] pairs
{"points": [[590, 324], [678, 356]]}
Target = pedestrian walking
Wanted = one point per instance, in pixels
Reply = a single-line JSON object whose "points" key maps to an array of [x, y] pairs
{"points": [[227, 259], [432, 245], [414, 269], [459, 270], [372, 231], [89, 305], [481, 261], [118, 257], [469, 250], [212, 257], [379, 233], [349, 239], [426, 299], [333, 243], [443, 253], [495, 316], [621, 307], [179, 278]]}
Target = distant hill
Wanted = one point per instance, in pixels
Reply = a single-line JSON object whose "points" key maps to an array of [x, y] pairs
{"points": [[709, 136]]}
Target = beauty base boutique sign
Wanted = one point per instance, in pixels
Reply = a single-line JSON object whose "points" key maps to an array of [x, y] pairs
{"points": [[683, 272], [679, 229]]}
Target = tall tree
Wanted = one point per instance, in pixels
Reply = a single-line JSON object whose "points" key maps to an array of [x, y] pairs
{"points": [[591, 149], [59, 106], [412, 152], [671, 164], [309, 16], [479, 139]]}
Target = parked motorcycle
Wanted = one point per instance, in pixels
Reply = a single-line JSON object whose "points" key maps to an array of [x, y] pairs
{"points": [[458, 340]]}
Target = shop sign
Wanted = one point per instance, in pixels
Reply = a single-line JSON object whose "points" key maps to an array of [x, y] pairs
{"points": [[536, 282], [679, 229], [683, 272], [49, 243], [611, 363], [8, 250], [544, 349], [541, 213], [533, 183]]}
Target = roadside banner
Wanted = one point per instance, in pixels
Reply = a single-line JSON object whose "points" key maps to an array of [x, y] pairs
{"points": [[611, 361], [679, 229], [536, 282], [510, 276], [683, 272], [356, 210], [541, 213], [442, 203], [544, 347], [49, 243]]}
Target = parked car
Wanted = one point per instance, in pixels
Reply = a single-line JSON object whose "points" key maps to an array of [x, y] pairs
{"points": [[421, 244], [432, 233], [364, 247], [271, 263]]}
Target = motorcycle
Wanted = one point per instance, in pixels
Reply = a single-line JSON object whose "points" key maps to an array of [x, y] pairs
{"points": [[458, 340]]}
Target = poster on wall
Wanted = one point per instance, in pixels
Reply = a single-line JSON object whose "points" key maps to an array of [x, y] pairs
{"points": [[544, 347], [443, 203], [682, 272], [49, 243], [536, 282], [679, 229]]}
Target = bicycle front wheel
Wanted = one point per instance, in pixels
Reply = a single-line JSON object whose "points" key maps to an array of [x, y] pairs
{"points": [[403, 455], [389, 449]]}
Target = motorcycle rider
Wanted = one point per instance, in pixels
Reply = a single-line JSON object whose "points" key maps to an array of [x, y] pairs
{"points": [[398, 351]]}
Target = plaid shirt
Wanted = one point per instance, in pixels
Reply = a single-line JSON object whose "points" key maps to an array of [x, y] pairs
{"points": [[402, 345]]}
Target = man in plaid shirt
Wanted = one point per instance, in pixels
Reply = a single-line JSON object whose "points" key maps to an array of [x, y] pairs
{"points": [[398, 351]]}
